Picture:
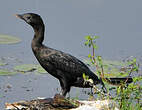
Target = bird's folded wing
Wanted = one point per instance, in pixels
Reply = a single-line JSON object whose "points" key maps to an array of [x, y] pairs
{"points": [[67, 63]]}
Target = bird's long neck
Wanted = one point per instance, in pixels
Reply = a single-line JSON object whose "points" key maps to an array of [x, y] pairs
{"points": [[38, 35]]}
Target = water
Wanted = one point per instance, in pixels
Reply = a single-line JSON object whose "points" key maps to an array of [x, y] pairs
{"points": [[118, 23]]}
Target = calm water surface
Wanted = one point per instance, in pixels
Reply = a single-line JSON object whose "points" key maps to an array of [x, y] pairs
{"points": [[118, 23]]}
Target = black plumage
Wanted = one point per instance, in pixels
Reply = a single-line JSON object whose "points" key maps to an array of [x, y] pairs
{"points": [[65, 67]]}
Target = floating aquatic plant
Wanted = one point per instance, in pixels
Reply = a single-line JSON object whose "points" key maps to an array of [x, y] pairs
{"points": [[40, 69], [112, 68], [6, 72], [2, 63], [29, 68], [6, 39], [25, 68]]}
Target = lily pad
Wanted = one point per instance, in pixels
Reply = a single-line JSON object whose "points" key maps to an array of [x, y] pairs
{"points": [[40, 69], [114, 63], [2, 63], [6, 39], [111, 68], [29, 68], [109, 63], [25, 68], [6, 72]]}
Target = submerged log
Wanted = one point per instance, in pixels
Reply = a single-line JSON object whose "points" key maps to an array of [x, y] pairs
{"points": [[60, 103]]}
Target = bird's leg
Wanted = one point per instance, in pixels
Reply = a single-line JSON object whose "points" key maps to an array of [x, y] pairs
{"points": [[64, 86], [65, 89], [91, 92], [61, 91], [64, 92], [68, 95]]}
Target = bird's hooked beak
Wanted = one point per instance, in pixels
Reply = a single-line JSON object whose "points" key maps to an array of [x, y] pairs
{"points": [[19, 16]]}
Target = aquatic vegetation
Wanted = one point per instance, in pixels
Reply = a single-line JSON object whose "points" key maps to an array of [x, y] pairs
{"points": [[6, 65], [4, 72], [112, 68], [6, 39], [40, 69], [128, 96], [25, 68], [29, 68], [2, 63]]}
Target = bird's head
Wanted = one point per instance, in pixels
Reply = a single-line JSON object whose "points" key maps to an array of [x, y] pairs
{"points": [[32, 19]]}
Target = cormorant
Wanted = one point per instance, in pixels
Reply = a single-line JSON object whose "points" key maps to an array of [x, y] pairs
{"points": [[65, 67]]}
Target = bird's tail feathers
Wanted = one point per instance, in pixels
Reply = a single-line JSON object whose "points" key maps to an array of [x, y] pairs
{"points": [[118, 81]]}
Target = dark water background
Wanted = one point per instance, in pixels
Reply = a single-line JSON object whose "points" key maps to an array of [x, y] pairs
{"points": [[118, 23]]}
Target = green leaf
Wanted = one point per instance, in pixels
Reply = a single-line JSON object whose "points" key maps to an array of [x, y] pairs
{"points": [[87, 37], [96, 37], [94, 46], [118, 90], [6, 72], [2, 63], [40, 69], [30, 68], [87, 77], [99, 58], [89, 44], [25, 68], [6, 39], [86, 43], [84, 76], [134, 60], [89, 55]]}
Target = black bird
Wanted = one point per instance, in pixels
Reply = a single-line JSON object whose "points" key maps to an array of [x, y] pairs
{"points": [[65, 67]]}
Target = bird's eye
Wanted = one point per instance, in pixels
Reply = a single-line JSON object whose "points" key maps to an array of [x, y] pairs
{"points": [[28, 17]]}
